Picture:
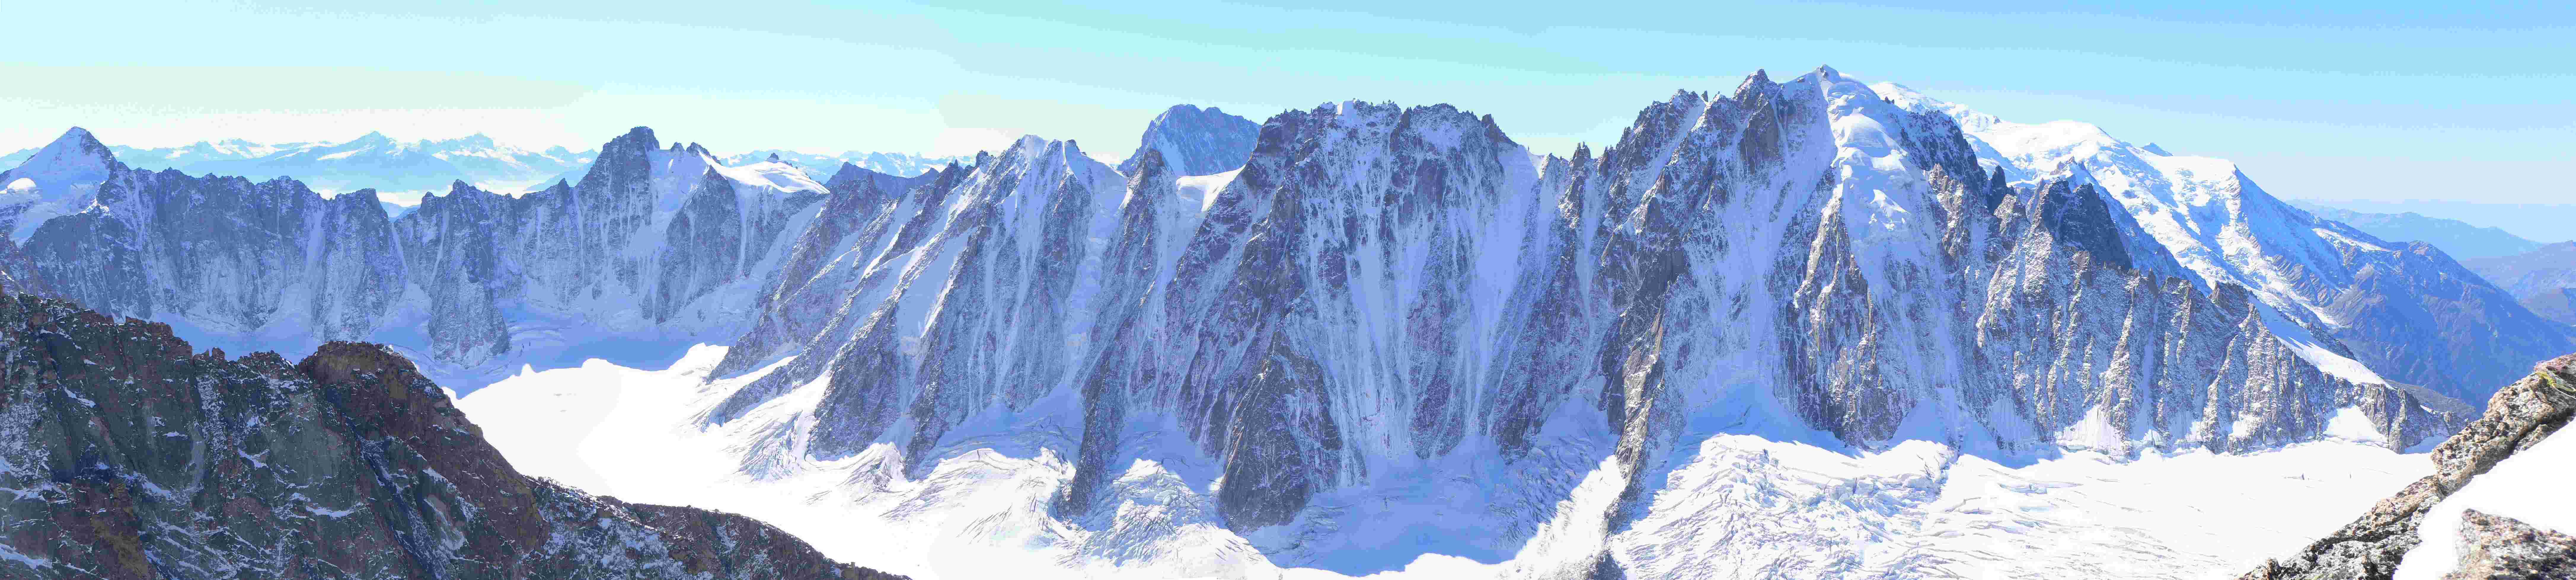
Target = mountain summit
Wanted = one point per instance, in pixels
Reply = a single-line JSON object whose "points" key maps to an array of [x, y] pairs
{"points": [[1196, 141]]}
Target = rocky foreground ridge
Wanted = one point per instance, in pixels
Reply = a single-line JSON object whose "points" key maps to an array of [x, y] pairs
{"points": [[126, 455], [2493, 546]]}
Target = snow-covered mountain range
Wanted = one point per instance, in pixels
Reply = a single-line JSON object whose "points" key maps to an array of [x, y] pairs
{"points": [[655, 246], [821, 167], [1379, 327], [371, 161]]}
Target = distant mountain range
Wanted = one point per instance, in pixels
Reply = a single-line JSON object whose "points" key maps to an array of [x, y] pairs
{"points": [[2543, 279], [823, 167], [2460, 239], [402, 172], [396, 169]]}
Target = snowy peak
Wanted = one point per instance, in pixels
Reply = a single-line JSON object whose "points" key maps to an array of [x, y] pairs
{"points": [[75, 155], [1753, 84], [636, 139], [1195, 141], [76, 145], [61, 178]]}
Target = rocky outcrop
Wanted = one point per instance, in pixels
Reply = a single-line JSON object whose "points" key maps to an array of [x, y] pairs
{"points": [[2494, 547], [2520, 416], [130, 456]]}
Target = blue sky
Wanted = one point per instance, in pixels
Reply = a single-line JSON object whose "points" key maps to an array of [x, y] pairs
{"points": [[2340, 100]]}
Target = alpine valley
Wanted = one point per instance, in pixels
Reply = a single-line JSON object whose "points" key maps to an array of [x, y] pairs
{"points": [[1806, 328]]}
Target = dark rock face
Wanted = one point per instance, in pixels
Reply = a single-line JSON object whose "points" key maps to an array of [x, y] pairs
{"points": [[222, 251], [134, 457], [2520, 416], [1195, 141], [2077, 216]]}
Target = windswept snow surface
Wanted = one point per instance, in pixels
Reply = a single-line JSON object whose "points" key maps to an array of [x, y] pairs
{"points": [[1732, 506]]}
